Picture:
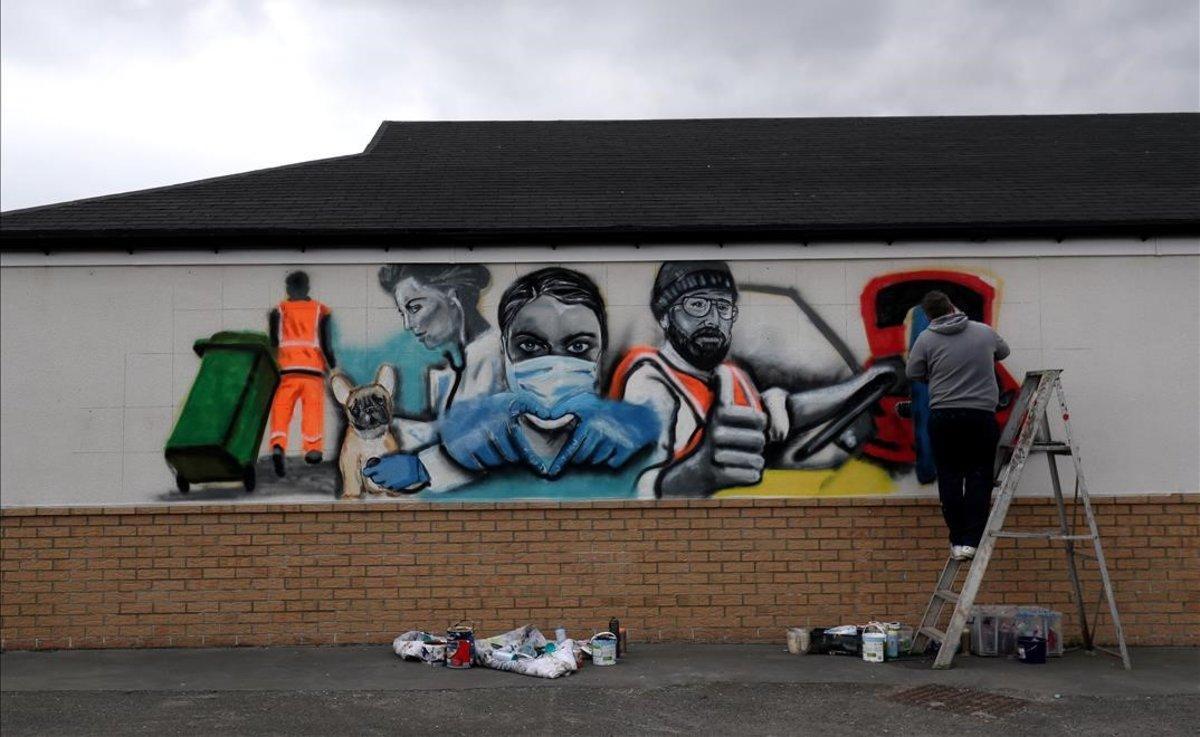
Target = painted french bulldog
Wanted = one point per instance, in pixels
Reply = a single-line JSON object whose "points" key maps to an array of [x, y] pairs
{"points": [[369, 434]]}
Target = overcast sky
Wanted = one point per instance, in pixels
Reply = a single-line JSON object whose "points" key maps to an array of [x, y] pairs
{"points": [[103, 96]]}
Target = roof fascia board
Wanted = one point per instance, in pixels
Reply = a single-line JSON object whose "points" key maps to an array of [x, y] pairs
{"points": [[231, 239], [628, 252]]}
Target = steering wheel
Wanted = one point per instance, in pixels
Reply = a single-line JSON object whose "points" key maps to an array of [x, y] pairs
{"points": [[858, 403]]}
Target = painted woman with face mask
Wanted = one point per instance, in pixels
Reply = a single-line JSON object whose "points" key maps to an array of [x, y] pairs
{"points": [[439, 304], [554, 331]]}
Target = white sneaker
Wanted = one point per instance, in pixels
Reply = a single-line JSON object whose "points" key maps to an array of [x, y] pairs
{"points": [[966, 551], [956, 552]]}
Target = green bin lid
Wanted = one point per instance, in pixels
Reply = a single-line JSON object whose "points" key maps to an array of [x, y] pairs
{"points": [[244, 340]]}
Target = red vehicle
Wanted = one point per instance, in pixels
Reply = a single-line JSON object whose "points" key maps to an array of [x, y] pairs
{"points": [[886, 303]]}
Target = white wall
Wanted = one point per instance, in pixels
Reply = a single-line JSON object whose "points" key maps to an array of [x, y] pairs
{"points": [[94, 360]]}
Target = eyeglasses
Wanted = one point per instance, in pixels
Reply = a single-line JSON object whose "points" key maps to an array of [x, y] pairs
{"points": [[700, 306]]}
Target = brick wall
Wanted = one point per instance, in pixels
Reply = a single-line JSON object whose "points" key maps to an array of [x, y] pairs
{"points": [[739, 570]]}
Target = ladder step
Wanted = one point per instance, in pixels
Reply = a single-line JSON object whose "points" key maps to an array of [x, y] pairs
{"points": [[1040, 535], [1061, 449], [933, 633], [950, 596]]}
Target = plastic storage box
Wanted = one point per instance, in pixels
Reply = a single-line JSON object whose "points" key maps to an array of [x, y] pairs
{"points": [[995, 629]]}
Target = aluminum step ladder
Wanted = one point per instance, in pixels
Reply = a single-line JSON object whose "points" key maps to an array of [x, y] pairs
{"points": [[1027, 431]]}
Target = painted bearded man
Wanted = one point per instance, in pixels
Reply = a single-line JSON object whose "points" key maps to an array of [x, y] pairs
{"points": [[715, 424]]}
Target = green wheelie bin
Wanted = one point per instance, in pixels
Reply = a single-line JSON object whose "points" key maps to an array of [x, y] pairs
{"points": [[220, 429]]}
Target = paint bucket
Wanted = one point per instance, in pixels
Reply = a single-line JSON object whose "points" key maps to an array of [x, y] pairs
{"points": [[460, 645], [1031, 650], [798, 640], [604, 649], [874, 644]]}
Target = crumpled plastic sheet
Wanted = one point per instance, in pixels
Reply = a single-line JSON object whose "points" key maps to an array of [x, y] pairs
{"points": [[422, 646], [516, 651]]}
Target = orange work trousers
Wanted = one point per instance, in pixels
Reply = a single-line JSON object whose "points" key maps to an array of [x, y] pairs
{"points": [[309, 391]]}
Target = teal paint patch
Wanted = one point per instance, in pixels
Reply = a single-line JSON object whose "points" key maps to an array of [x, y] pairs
{"points": [[401, 349]]}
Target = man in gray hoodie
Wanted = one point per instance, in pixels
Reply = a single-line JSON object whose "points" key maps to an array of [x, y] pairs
{"points": [[957, 357]]}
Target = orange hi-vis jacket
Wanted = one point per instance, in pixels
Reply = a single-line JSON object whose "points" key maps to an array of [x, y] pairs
{"points": [[300, 335], [697, 394]]}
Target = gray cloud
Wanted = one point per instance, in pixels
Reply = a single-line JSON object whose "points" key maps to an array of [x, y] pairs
{"points": [[119, 95]]}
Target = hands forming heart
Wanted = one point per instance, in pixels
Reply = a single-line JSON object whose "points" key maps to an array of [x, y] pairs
{"points": [[583, 430]]}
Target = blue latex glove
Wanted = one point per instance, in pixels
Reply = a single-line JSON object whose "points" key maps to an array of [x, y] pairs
{"points": [[479, 433], [607, 432], [398, 472]]}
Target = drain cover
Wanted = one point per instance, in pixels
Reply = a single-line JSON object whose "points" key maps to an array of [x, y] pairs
{"points": [[959, 700]]}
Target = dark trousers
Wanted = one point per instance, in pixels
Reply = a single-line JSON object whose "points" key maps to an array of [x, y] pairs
{"points": [[964, 451]]}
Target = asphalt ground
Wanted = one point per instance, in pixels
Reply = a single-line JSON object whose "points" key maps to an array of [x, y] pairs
{"points": [[656, 690]]}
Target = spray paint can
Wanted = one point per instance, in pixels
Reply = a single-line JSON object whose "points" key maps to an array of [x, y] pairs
{"points": [[614, 626]]}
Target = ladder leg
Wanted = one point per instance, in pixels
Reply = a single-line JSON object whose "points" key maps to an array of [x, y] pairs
{"points": [[1066, 530], [1091, 518]]}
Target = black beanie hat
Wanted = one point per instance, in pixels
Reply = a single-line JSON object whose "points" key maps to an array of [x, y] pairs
{"points": [[677, 278]]}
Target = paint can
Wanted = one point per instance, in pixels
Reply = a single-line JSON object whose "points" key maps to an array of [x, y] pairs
{"points": [[799, 640], [1031, 650], [874, 644], [892, 632], [604, 648], [460, 645]]}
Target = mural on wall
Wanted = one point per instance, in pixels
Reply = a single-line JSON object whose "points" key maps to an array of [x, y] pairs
{"points": [[547, 414], [538, 399]]}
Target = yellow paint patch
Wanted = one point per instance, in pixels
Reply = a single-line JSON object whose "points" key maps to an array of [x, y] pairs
{"points": [[855, 477]]}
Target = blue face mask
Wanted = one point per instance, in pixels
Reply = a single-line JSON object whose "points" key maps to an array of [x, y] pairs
{"points": [[549, 380]]}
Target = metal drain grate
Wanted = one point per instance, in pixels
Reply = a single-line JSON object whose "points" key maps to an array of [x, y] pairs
{"points": [[959, 700]]}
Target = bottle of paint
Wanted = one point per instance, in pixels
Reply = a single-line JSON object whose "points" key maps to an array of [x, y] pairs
{"points": [[892, 631]]}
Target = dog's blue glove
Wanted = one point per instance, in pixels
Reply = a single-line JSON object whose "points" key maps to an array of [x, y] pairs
{"points": [[607, 432], [398, 472], [479, 433]]}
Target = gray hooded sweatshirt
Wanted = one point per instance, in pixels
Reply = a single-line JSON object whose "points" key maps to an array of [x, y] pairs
{"points": [[957, 356]]}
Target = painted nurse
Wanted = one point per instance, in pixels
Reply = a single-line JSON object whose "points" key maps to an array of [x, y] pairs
{"points": [[551, 417], [439, 304]]}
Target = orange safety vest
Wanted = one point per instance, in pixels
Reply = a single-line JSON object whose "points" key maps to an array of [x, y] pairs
{"points": [[695, 390], [300, 336]]}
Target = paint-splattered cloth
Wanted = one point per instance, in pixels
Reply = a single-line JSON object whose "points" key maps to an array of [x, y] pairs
{"points": [[422, 646], [526, 651]]}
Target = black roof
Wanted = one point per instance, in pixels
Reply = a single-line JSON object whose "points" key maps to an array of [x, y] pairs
{"points": [[660, 180]]}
